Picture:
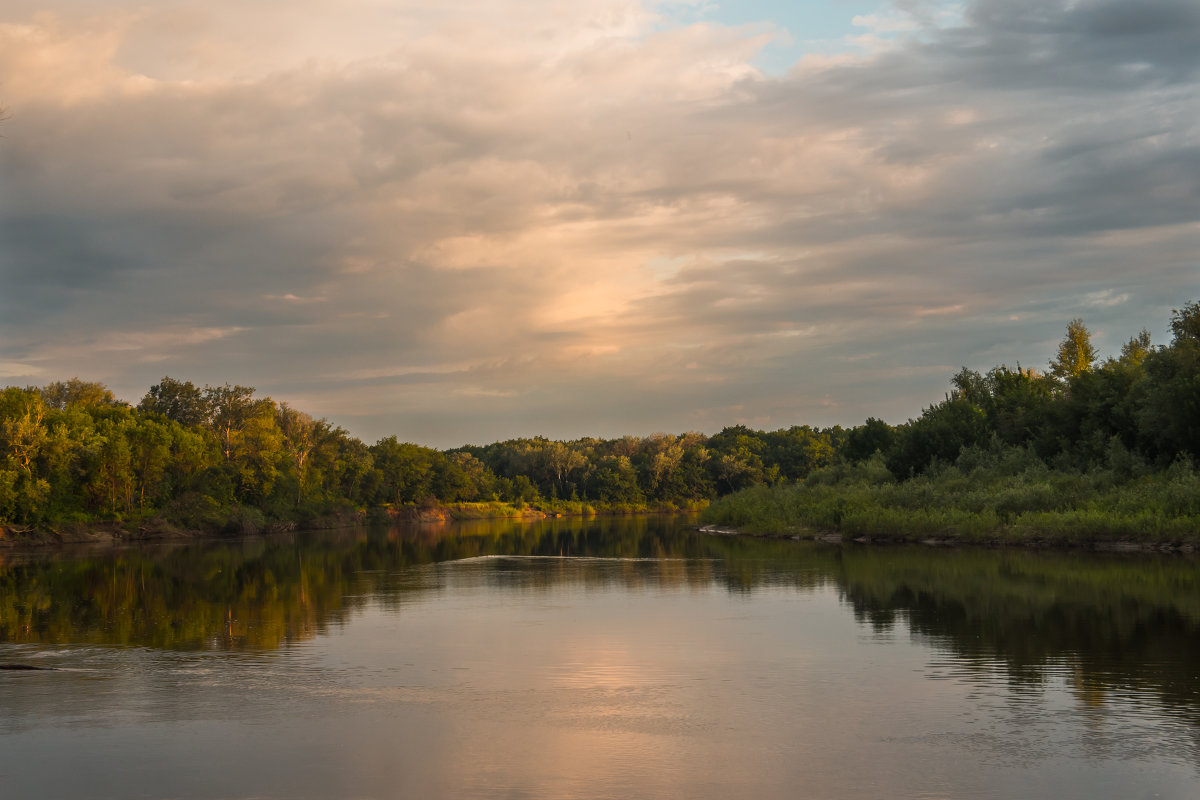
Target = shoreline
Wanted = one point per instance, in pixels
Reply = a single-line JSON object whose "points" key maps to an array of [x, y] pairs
{"points": [[1025, 543], [161, 530]]}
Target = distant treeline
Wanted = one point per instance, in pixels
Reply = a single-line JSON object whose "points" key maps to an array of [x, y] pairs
{"points": [[216, 455], [1137, 411], [1089, 451]]}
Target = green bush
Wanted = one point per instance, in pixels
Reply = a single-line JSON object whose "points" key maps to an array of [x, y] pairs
{"points": [[983, 497]]}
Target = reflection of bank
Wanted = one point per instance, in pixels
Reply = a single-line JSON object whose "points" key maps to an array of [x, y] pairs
{"points": [[261, 593], [1116, 620], [264, 592], [1098, 624]]}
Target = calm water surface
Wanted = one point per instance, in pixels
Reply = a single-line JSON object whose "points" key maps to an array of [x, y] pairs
{"points": [[596, 659]]}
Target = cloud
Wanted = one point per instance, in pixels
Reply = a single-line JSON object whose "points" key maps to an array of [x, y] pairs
{"points": [[1105, 298], [568, 218], [291, 298], [13, 369]]}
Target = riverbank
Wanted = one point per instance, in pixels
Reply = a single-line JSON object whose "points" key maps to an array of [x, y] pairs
{"points": [[549, 509], [246, 521], [157, 529], [1033, 543], [1034, 507]]}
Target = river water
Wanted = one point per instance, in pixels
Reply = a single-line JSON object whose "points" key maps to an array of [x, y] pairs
{"points": [[609, 658]]}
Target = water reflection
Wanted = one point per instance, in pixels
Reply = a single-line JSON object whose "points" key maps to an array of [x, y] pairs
{"points": [[266, 592], [751, 666], [1103, 623], [1100, 621]]}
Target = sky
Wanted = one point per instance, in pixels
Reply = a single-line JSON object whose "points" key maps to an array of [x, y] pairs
{"points": [[460, 223]]}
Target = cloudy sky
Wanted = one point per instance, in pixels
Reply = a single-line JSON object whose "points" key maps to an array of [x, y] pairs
{"points": [[461, 222]]}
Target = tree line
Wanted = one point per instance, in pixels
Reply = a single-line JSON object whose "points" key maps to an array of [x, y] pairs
{"points": [[216, 455], [1134, 412], [202, 455]]}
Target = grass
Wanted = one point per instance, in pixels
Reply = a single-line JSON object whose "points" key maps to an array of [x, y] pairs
{"points": [[566, 508], [1008, 499]]}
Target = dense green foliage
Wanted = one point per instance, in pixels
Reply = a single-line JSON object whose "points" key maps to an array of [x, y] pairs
{"points": [[1094, 440], [1009, 495], [1083, 453], [1137, 411], [222, 458]]}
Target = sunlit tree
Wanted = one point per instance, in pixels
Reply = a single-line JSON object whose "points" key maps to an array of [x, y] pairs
{"points": [[1076, 355], [1134, 351], [74, 392]]}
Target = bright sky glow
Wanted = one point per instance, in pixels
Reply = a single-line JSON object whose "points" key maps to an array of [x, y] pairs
{"points": [[459, 224]]}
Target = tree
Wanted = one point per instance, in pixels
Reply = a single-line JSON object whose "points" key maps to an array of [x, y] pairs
{"points": [[615, 481], [301, 435], [1185, 322], [737, 459], [657, 462], [1170, 416], [872, 436], [230, 409], [61, 394], [406, 470], [560, 460], [150, 452], [940, 434], [181, 401], [22, 432], [115, 477], [463, 477], [1019, 404], [1075, 354], [1134, 351], [354, 471]]}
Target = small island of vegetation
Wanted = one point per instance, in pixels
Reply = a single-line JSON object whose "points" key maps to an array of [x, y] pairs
{"points": [[1087, 452]]}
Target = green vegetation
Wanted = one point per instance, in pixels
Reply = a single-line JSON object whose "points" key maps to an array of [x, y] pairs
{"points": [[1085, 453], [221, 459], [1005, 496]]}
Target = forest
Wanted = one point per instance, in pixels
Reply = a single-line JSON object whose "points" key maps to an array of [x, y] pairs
{"points": [[1087, 451], [999, 447]]}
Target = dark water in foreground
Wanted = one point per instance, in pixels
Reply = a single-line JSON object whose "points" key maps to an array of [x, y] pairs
{"points": [[588, 659]]}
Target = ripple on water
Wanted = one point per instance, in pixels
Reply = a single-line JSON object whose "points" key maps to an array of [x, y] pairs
{"points": [[1060, 709]]}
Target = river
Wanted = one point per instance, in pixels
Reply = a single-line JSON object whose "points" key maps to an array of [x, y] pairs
{"points": [[602, 658]]}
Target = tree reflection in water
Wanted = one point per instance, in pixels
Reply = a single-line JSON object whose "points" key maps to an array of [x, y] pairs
{"points": [[1107, 622]]}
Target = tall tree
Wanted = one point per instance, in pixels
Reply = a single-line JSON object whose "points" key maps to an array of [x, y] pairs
{"points": [[1185, 322], [1076, 355], [301, 436], [22, 433], [1170, 417], [230, 410]]}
